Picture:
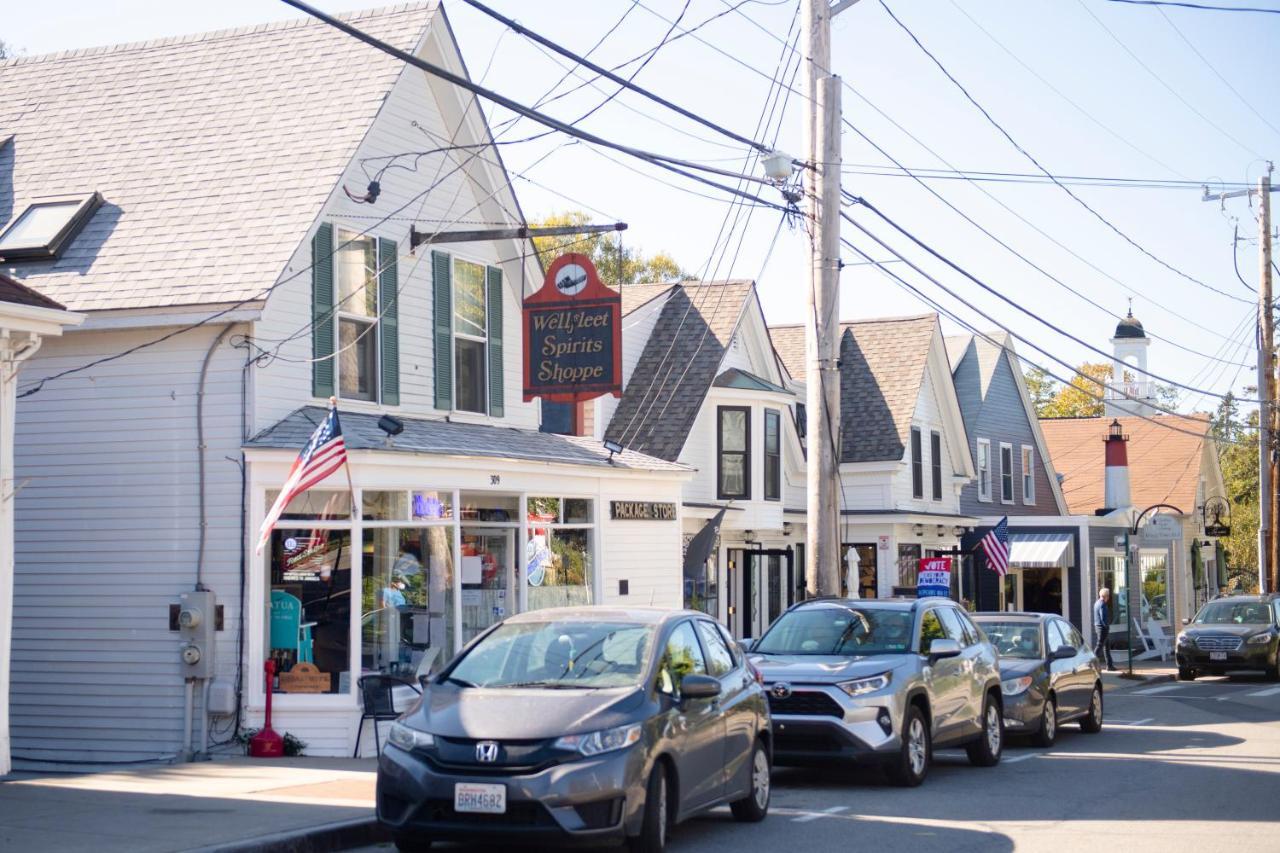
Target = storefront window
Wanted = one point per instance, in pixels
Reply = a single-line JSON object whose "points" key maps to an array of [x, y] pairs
{"points": [[309, 628], [430, 504], [701, 588], [406, 603], [559, 570], [867, 580], [1155, 601], [384, 506], [482, 506], [314, 505], [1111, 575], [908, 564]]}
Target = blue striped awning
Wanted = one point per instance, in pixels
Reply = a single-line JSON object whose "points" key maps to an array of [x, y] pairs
{"points": [[1040, 550]]}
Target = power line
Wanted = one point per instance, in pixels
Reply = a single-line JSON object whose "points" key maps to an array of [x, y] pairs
{"points": [[1200, 6], [1037, 164], [1031, 177]]}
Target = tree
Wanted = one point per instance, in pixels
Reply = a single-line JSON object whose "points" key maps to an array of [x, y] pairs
{"points": [[609, 255], [1083, 397], [1041, 387], [1237, 443], [8, 51]]}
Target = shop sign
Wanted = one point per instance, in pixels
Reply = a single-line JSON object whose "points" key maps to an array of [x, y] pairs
{"points": [[934, 578], [304, 678], [641, 511], [1217, 517], [884, 543], [305, 558], [1161, 530], [572, 335]]}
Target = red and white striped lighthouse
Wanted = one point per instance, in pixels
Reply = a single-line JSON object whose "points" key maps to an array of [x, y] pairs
{"points": [[1116, 484]]}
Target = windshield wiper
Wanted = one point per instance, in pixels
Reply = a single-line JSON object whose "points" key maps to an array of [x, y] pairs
{"points": [[549, 685], [461, 682]]}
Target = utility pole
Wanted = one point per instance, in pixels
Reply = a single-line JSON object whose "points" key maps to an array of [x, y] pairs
{"points": [[822, 325], [1268, 542]]}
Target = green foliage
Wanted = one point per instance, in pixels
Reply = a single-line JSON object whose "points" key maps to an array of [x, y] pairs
{"points": [[1041, 387], [1237, 441], [1082, 398], [616, 262], [293, 745]]}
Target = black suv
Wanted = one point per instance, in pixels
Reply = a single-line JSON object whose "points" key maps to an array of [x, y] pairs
{"points": [[1241, 632]]}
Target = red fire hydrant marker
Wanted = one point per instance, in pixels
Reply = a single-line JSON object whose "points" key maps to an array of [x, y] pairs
{"points": [[266, 743]]}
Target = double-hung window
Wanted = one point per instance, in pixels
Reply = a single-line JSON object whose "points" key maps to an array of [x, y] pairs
{"points": [[1006, 473], [772, 455], [470, 336], [356, 270], [917, 464], [733, 447], [984, 470], [1028, 475], [935, 463]]}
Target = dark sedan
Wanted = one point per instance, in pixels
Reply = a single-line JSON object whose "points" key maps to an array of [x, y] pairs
{"points": [[586, 725], [1232, 634], [1048, 674]]}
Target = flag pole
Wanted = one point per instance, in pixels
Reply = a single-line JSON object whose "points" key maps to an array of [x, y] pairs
{"points": [[346, 464]]}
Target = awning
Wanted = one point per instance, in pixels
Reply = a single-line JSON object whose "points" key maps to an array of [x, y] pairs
{"points": [[1040, 550]]}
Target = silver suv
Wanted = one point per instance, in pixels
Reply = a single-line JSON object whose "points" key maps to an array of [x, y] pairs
{"points": [[880, 681]]}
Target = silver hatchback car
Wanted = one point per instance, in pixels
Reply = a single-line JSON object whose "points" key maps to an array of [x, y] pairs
{"points": [[880, 681]]}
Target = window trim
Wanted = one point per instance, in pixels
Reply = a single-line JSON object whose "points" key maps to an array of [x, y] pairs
{"points": [[455, 335], [935, 464], [1004, 445], [984, 442], [777, 455], [339, 314], [746, 454], [88, 204], [917, 464], [1028, 475]]}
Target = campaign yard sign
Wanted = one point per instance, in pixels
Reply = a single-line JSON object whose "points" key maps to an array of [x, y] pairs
{"points": [[934, 578], [572, 335]]}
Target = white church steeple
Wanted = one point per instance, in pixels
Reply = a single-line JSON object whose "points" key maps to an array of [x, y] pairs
{"points": [[1131, 391]]}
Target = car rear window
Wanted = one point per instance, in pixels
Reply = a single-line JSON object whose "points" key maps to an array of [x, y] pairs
{"points": [[1015, 639]]}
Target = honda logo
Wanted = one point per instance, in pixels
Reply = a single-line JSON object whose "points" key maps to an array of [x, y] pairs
{"points": [[781, 690], [487, 751]]}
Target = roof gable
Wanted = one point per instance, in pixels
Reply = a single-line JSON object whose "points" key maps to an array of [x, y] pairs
{"points": [[17, 293], [882, 365], [204, 148]]}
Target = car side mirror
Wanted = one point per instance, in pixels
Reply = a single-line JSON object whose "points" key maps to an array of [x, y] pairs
{"points": [[1063, 652], [747, 644], [1186, 620], [699, 687], [943, 648]]}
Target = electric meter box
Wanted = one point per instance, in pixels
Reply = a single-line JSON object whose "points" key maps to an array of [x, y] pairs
{"points": [[197, 624]]}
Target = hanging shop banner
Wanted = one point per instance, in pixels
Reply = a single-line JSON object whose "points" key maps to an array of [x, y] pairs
{"points": [[1217, 517], [934, 579], [572, 335]]}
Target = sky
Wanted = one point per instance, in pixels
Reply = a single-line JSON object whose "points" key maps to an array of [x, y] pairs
{"points": [[1085, 87]]}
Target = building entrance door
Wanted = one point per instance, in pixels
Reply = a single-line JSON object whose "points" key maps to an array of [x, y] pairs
{"points": [[487, 578], [761, 584]]}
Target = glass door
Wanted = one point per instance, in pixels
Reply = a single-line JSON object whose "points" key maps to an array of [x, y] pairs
{"points": [[1011, 590], [487, 574]]}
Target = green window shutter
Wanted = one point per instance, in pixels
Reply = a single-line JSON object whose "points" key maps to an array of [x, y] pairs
{"points": [[442, 313], [388, 302], [322, 311], [493, 278]]}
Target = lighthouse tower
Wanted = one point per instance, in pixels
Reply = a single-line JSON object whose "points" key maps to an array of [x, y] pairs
{"points": [[1131, 391]]}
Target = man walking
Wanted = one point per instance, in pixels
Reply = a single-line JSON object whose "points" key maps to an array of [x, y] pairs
{"points": [[1102, 627]]}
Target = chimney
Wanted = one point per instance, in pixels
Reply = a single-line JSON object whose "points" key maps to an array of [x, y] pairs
{"points": [[1116, 495]]}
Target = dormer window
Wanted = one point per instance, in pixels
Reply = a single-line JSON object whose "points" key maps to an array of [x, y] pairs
{"points": [[44, 229]]}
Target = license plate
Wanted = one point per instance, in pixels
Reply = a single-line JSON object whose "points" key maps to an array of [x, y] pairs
{"points": [[481, 799], [1217, 655]]}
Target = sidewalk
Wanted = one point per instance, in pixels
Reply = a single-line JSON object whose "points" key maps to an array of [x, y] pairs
{"points": [[1144, 672], [238, 804]]}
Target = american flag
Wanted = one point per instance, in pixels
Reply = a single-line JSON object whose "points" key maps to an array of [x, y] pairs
{"points": [[324, 453], [996, 546]]}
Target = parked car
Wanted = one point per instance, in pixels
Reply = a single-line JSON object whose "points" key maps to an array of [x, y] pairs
{"points": [[880, 681], [1241, 632], [579, 724], [1049, 675]]}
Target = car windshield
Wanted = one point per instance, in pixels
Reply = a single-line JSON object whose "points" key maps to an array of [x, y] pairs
{"points": [[1014, 639], [557, 655], [1233, 613], [838, 631]]}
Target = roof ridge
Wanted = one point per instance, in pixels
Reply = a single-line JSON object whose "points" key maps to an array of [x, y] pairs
{"points": [[903, 318], [218, 35]]}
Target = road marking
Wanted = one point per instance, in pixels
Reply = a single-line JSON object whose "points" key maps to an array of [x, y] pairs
{"points": [[805, 818], [1128, 724], [1016, 758], [1270, 691], [1163, 688]]}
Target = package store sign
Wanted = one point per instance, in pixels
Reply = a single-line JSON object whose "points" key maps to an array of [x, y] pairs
{"points": [[572, 335], [934, 578], [641, 511]]}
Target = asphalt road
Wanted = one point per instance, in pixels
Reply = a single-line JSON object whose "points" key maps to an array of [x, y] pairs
{"points": [[1177, 767]]}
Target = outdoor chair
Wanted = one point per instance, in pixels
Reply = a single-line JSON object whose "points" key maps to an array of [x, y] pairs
{"points": [[378, 699]]}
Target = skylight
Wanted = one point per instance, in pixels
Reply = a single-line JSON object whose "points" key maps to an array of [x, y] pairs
{"points": [[46, 227]]}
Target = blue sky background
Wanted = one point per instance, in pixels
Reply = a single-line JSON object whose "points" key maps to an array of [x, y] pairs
{"points": [[1142, 104]]}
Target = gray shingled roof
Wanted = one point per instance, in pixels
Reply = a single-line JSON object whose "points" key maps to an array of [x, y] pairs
{"points": [[788, 343], [679, 362], [882, 367], [19, 294], [213, 152], [636, 295], [361, 432]]}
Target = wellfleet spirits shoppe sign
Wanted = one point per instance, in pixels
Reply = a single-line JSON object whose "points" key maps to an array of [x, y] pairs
{"points": [[572, 335]]}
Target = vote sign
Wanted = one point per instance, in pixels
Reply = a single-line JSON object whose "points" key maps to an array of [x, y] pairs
{"points": [[572, 335], [934, 578]]}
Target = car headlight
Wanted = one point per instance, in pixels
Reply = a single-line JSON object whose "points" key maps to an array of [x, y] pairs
{"points": [[860, 686], [603, 741], [409, 739], [1014, 686], [1183, 639], [1259, 639]]}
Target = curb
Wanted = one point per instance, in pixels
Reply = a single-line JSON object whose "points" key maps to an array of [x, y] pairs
{"points": [[1123, 680], [325, 838]]}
